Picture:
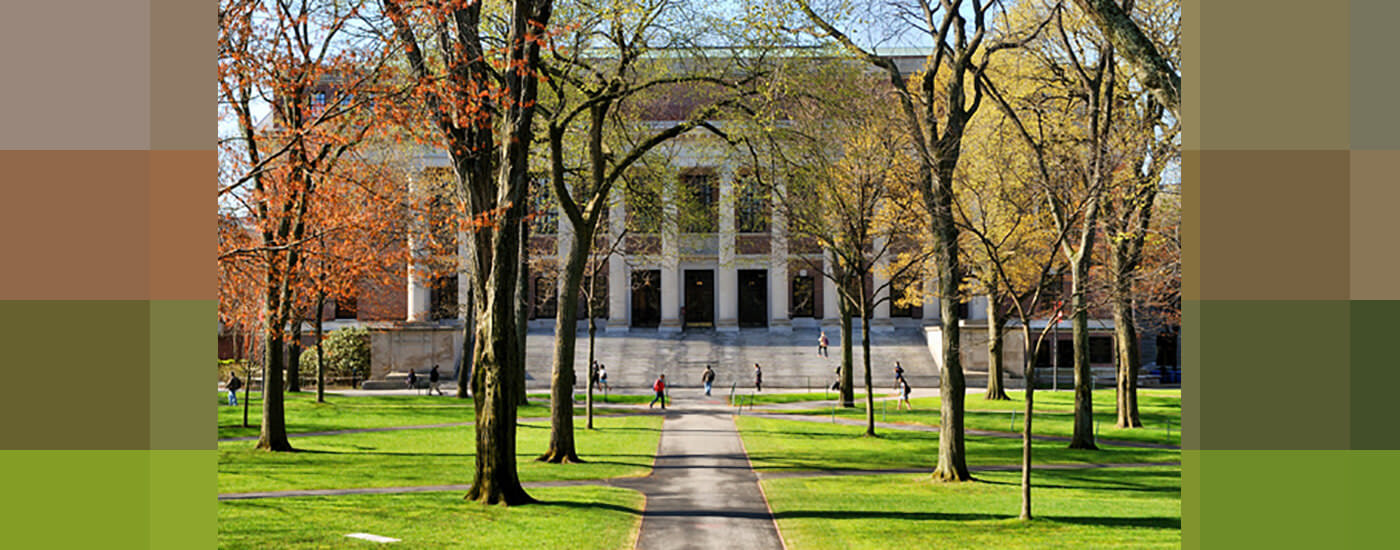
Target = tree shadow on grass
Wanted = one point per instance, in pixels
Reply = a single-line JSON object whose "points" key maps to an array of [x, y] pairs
{"points": [[1143, 522], [885, 514], [589, 506]]}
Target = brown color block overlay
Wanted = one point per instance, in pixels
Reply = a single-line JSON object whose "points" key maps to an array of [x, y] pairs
{"points": [[182, 341], [1274, 225], [80, 375], [1375, 225], [1257, 93], [1191, 225], [77, 77], [73, 225], [183, 232], [1374, 81], [1274, 375], [181, 46]]}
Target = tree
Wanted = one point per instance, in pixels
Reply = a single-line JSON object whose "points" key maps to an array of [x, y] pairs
{"points": [[468, 94], [935, 110], [295, 58], [1156, 72]]}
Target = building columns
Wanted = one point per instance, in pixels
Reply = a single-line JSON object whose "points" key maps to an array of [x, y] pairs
{"points": [[619, 285], [778, 282], [670, 262], [831, 300], [419, 289], [727, 283]]}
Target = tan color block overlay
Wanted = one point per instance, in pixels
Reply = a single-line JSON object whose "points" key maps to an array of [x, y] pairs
{"points": [[1375, 225], [1190, 74], [77, 77], [1274, 225], [73, 225], [181, 48], [1257, 92], [183, 232]]}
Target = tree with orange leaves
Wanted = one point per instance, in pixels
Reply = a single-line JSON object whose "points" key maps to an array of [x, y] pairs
{"points": [[296, 60]]}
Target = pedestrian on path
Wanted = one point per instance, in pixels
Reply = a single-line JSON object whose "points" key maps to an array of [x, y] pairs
{"points": [[433, 381], [821, 345], [837, 385], [412, 379], [603, 376], [757, 377], [898, 375], [660, 388], [708, 378], [904, 399], [233, 385]]}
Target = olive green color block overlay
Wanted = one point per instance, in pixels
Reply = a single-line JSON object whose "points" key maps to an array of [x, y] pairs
{"points": [[180, 49], [1374, 81], [1190, 374], [1293, 499], [1375, 374], [1274, 376], [1254, 98], [183, 352], [1274, 225], [1190, 74], [79, 374], [80, 499], [183, 510], [1190, 499]]}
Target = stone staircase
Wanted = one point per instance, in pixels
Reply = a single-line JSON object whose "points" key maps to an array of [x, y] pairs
{"points": [[788, 360]]}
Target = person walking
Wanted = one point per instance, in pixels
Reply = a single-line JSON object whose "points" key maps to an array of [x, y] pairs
{"points": [[232, 386], [837, 385], [821, 345], [757, 377], [904, 397], [708, 378], [660, 388], [433, 381], [898, 375], [603, 376], [412, 379]]}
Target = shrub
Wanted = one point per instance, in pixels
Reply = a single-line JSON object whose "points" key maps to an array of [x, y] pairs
{"points": [[347, 353]]}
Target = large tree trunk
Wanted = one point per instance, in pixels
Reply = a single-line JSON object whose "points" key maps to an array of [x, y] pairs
{"points": [[865, 352], [1083, 437], [464, 372], [996, 386], [1125, 333], [320, 353], [848, 394], [952, 451], [1028, 371], [1153, 69], [273, 434], [561, 404], [522, 312], [294, 356], [592, 338], [495, 480]]}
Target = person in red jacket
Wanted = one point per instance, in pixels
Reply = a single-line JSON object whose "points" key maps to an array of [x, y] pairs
{"points": [[660, 388]]}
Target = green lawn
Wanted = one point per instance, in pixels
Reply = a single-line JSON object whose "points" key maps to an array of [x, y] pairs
{"points": [[1100, 508], [570, 517], [776, 445], [1054, 414], [621, 446], [771, 398], [304, 414]]}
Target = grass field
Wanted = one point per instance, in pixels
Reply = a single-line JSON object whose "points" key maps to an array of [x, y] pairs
{"points": [[1100, 508], [304, 414], [774, 398], [570, 517], [777, 445], [1054, 414], [621, 446]]}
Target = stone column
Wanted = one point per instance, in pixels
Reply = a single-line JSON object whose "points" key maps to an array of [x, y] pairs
{"points": [[727, 283], [670, 262], [932, 314], [419, 297], [831, 314], [778, 284], [619, 282]]}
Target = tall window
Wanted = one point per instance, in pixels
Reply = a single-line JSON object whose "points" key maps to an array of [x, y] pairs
{"points": [[544, 210], [752, 209], [444, 298], [347, 307], [546, 297], [700, 206], [643, 203], [804, 296], [1101, 349], [898, 288]]}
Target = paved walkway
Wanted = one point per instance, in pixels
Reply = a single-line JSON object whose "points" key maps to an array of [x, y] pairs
{"points": [[703, 492]]}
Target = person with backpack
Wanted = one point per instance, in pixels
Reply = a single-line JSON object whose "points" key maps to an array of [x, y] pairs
{"points": [[821, 345], [708, 378], [233, 385], [757, 377], [904, 398], [433, 381], [603, 377], [660, 388], [412, 379], [898, 375]]}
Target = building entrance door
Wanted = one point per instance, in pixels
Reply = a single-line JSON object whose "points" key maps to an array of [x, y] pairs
{"points": [[753, 297], [699, 298], [646, 298]]}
